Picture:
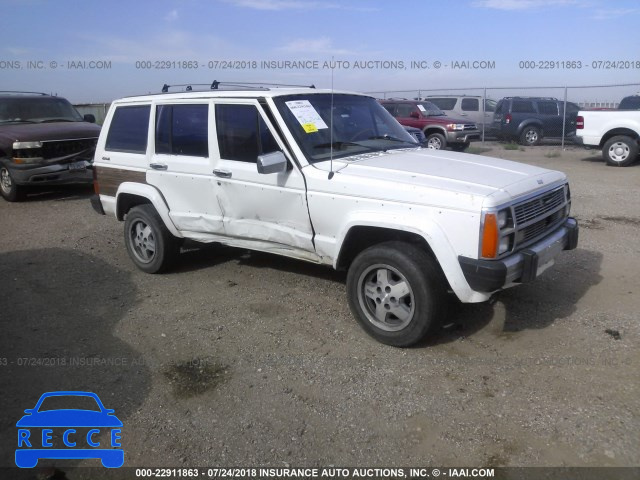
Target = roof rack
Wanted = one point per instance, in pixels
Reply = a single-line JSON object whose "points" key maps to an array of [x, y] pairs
{"points": [[215, 85], [538, 98], [24, 93]]}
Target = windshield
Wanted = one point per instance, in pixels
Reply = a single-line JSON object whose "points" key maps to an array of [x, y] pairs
{"points": [[355, 125], [67, 402], [37, 110], [429, 109]]}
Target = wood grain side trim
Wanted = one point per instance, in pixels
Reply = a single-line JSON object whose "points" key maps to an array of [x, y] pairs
{"points": [[109, 179]]}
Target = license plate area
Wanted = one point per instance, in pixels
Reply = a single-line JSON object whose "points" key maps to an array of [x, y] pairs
{"points": [[78, 166]]}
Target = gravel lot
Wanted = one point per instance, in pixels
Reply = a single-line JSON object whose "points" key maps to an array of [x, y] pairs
{"points": [[248, 359]]}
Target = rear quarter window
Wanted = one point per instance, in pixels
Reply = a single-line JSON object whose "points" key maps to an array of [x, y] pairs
{"points": [[129, 129]]}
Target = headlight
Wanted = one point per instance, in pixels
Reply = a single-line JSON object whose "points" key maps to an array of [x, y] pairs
{"points": [[455, 126], [503, 218], [21, 145]]}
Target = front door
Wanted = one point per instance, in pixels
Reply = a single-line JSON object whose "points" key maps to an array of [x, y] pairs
{"points": [[267, 211]]}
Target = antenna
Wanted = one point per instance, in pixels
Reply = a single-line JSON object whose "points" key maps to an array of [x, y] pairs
{"points": [[333, 65]]}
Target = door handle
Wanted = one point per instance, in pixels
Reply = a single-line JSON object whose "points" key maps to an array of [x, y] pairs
{"points": [[222, 173], [158, 166]]}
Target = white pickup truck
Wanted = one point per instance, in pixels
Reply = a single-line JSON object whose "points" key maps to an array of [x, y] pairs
{"points": [[331, 178], [617, 133]]}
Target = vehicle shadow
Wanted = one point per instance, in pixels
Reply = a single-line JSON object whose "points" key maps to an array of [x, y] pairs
{"points": [[59, 310], [195, 256], [62, 192], [551, 297]]}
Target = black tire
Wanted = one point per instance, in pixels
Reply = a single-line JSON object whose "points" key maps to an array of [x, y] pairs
{"points": [[459, 147], [620, 151], [8, 188], [150, 245], [436, 141], [531, 136], [420, 286]]}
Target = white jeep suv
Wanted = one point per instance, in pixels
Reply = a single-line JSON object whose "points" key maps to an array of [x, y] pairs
{"points": [[331, 178]]}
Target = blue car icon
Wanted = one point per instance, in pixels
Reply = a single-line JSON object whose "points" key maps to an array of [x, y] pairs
{"points": [[78, 428]]}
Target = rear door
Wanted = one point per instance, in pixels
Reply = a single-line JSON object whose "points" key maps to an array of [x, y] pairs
{"points": [[551, 117], [181, 165]]}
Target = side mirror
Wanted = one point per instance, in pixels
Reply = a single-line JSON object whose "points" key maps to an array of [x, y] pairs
{"points": [[274, 162], [414, 114], [29, 411], [89, 117]]}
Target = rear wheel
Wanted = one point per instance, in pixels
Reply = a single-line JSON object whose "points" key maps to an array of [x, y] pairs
{"points": [[436, 141], [150, 245], [8, 188], [530, 136], [620, 151], [396, 292]]}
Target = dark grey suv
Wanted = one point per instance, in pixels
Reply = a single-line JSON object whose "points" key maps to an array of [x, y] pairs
{"points": [[530, 119]]}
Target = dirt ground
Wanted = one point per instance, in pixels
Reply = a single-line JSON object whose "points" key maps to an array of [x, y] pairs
{"points": [[248, 359]]}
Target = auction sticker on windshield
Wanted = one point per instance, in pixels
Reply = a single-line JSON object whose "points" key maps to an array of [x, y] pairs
{"points": [[309, 118]]}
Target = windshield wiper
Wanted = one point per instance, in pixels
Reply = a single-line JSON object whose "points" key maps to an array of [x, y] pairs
{"points": [[17, 121], [51, 120], [339, 144], [390, 138]]}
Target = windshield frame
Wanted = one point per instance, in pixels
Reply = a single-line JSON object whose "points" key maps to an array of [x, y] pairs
{"points": [[377, 134]]}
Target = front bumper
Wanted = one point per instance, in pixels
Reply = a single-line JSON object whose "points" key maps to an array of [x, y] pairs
{"points": [[464, 136], [523, 266], [55, 174]]}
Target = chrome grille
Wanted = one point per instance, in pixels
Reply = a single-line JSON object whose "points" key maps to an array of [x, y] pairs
{"points": [[63, 148], [470, 126], [539, 206]]}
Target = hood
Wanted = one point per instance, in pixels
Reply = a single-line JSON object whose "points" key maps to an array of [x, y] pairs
{"points": [[447, 119], [437, 177], [29, 132]]}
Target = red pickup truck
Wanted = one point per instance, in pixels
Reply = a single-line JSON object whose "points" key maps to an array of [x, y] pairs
{"points": [[440, 130]]}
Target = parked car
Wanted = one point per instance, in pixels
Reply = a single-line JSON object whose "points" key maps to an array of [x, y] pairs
{"points": [[468, 107], [530, 119], [331, 178], [616, 132], [417, 134], [441, 130], [43, 141]]}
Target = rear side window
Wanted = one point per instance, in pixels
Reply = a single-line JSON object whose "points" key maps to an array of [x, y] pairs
{"points": [[445, 103], [404, 110], [500, 106], [242, 133], [548, 108], [522, 106], [389, 108], [470, 104], [129, 129], [182, 130]]}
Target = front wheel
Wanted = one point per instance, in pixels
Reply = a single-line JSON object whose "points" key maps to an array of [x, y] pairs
{"points": [[396, 292], [436, 141], [620, 151], [150, 245], [8, 188]]}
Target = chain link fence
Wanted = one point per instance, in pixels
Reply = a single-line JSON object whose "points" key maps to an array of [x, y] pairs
{"points": [[505, 112]]}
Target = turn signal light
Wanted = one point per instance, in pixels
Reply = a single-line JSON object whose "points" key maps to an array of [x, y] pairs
{"points": [[490, 236]]}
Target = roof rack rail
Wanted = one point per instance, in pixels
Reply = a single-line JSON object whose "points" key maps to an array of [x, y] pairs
{"points": [[539, 98], [215, 85], [24, 93]]}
